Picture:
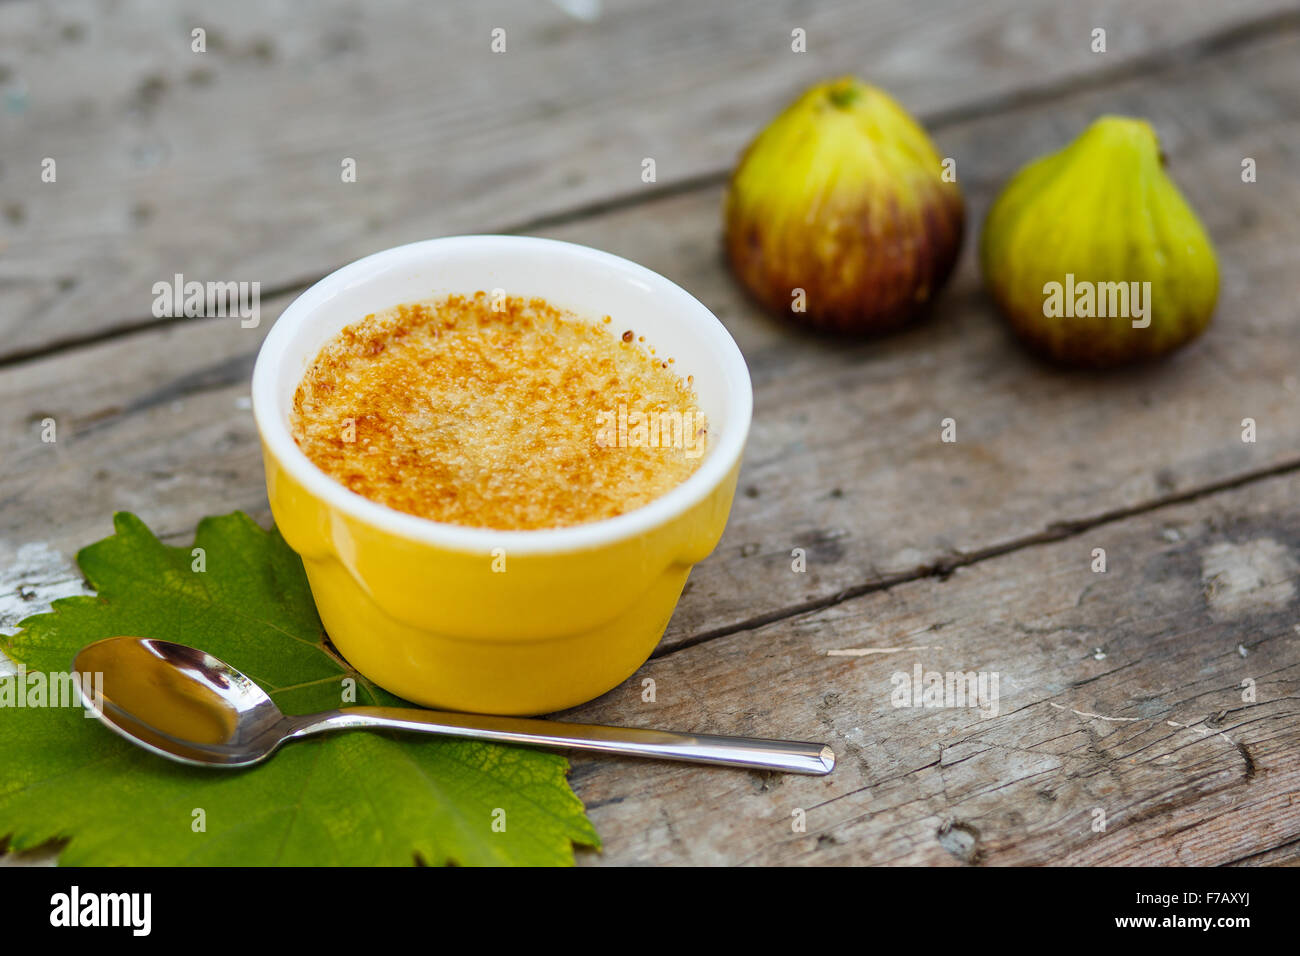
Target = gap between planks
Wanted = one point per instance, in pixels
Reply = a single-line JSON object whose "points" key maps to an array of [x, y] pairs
{"points": [[1056, 532], [1212, 44]]}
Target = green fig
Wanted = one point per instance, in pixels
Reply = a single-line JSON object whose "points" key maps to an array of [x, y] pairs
{"points": [[841, 214], [1094, 257]]}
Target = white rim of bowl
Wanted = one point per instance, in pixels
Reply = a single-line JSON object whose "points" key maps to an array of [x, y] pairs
{"points": [[273, 427]]}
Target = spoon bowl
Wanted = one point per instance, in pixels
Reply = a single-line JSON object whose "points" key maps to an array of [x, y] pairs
{"points": [[186, 705], [181, 702]]}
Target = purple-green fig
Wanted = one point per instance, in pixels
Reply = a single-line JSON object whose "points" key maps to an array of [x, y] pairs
{"points": [[1094, 257], [841, 214]]}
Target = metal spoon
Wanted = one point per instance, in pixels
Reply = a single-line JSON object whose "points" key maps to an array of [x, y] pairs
{"points": [[186, 705]]}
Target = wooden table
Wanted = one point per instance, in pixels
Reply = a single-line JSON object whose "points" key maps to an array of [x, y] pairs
{"points": [[1121, 693]]}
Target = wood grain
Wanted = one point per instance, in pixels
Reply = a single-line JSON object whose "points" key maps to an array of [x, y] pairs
{"points": [[1196, 599], [226, 165]]}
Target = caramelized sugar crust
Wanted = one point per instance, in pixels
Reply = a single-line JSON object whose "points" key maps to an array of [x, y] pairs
{"points": [[451, 410]]}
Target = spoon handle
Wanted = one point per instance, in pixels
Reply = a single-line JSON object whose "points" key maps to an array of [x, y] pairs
{"points": [[786, 755]]}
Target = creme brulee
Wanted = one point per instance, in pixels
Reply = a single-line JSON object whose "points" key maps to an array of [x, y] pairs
{"points": [[515, 417]]}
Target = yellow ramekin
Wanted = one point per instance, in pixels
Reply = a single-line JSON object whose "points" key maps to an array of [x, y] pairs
{"points": [[507, 622]]}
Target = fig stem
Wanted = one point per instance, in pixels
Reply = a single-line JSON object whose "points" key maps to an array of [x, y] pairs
{"points": [[843, 95]]}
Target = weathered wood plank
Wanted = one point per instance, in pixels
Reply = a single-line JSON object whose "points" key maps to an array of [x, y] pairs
{"points": [[1035, 447], [171, 161], [1118, 693]]}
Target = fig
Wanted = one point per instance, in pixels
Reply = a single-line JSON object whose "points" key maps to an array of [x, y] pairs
{"points": [[1093, 256], [840, 214]]}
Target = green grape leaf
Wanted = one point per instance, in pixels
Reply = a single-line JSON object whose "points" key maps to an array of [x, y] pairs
{"points": [[357, 798]]}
